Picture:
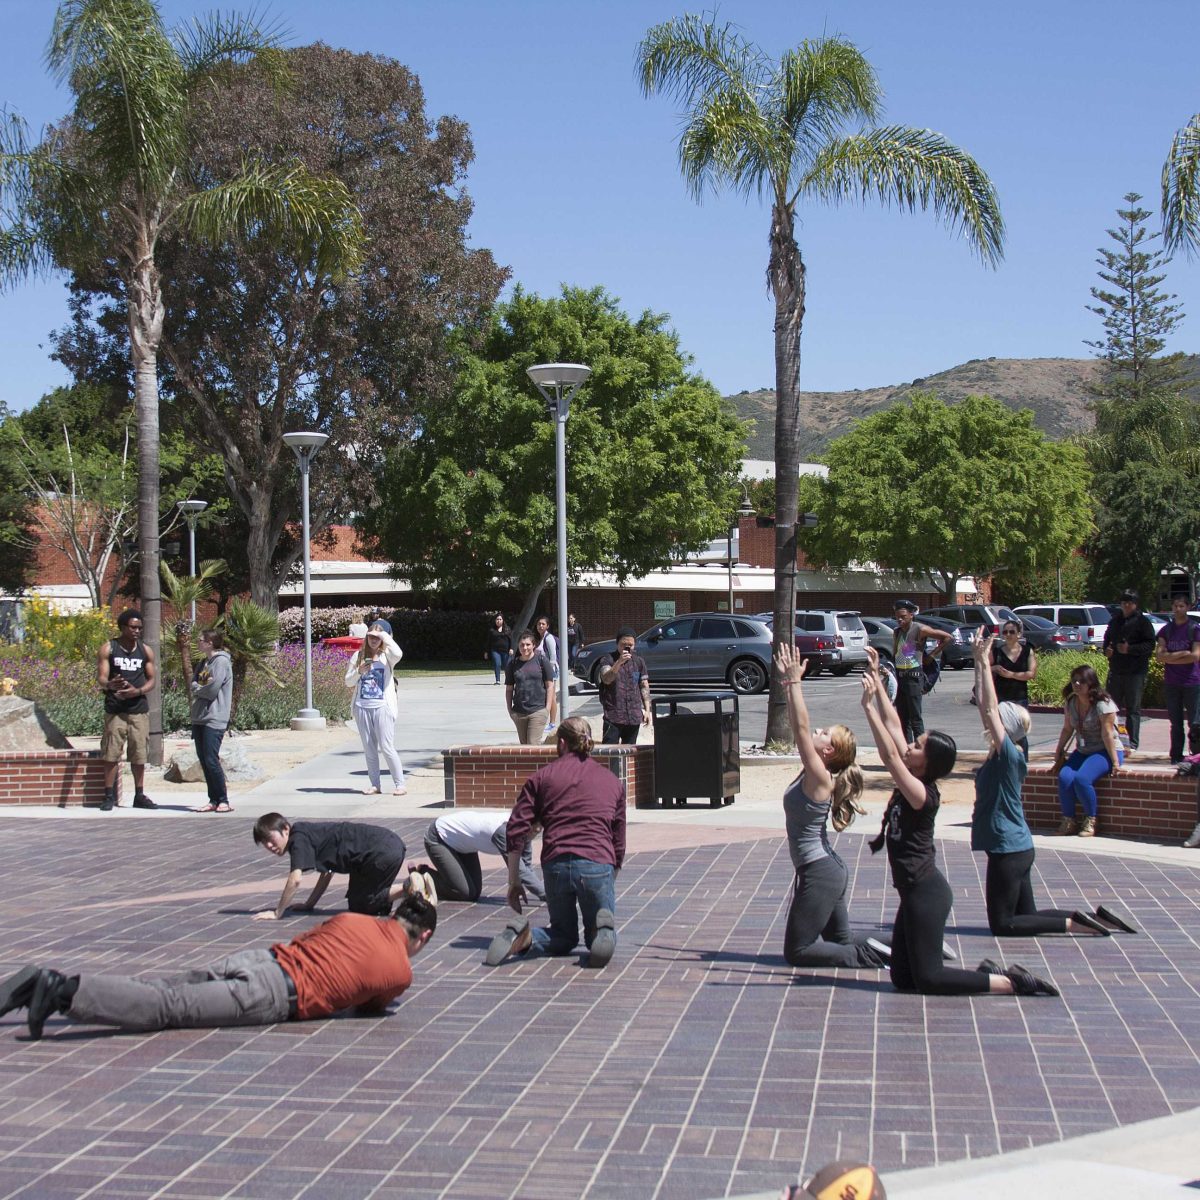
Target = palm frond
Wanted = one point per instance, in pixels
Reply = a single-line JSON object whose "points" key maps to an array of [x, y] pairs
{"points": [[913, 169], [822, 86], [286, 203], [204, 43], [727, 140], [1181, 190], [691, 58]]}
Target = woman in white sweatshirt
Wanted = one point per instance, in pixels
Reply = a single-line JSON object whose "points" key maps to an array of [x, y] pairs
{"points": [[370, 674]]}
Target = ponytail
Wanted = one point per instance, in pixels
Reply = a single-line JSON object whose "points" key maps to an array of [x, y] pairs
{"points": [[844, 805], [577, 733]]}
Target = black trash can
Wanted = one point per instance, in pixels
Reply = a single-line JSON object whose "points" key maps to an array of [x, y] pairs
{"points": [[697, 750]]}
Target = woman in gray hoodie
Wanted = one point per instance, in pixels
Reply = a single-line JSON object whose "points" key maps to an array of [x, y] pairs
{"points": [[212, 692]]}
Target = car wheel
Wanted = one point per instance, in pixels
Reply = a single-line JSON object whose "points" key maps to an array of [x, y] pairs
{"points": [[747, 676], [840, 671], [814, 668]]}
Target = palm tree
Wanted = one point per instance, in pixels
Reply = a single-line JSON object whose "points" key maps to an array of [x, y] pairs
{"points": [[1181, 190], [252, 639], [181, 592], [100, 192], [773, 129]]}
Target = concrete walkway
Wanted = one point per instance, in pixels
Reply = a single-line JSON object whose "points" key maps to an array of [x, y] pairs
{"points": [[697, 1064]]}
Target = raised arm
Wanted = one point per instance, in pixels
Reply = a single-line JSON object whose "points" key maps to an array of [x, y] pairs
{"points": [[790, 668], [890, 754], [985, 689], [887, 710]]}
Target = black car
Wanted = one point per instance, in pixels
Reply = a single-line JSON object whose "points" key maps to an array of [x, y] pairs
{"points": [[881, 633], [957, 653]]}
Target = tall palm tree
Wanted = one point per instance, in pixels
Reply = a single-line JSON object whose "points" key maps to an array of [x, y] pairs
{"points": [[1181, 190], [773, 129], [102, 190]]}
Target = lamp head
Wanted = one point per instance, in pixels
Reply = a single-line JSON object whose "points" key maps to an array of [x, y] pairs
{"points": [[558, 382], [192, 508], [305, 445]]}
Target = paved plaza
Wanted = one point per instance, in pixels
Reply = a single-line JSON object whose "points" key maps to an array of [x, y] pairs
{"points": [[698, 1064]]}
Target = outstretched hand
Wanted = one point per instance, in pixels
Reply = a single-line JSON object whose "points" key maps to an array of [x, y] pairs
{"points": [[870, 689], [872, 660], [789, 664], [981, 645]]}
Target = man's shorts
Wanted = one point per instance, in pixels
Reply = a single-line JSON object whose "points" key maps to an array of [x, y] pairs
{"points": [[122, 728]]}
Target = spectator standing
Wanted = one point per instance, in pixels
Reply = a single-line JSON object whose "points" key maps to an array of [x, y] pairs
{"points": [[624, 691], [580, 806], [375, 706], [575, 639], [358, 627], [212, 696], [547, 645], [1128, 645], [1013, 665], [908, 646], [126, 670], [529, 691], [349, 961], [1179, 652], [499, 645]]}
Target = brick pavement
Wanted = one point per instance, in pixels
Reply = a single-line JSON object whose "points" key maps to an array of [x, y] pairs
{"points": [[697, 1064]]}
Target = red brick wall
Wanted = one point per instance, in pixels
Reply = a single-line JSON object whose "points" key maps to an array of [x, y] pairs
{"points": [[492, 776], [1150, 804], [53, 777]]}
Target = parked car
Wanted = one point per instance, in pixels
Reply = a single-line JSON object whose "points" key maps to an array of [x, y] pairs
{"points": [[957, 653], [990, 615], [1089, 618], [1044, 636], [821, 649], [880, 634], [694, 648], [841, 627]]}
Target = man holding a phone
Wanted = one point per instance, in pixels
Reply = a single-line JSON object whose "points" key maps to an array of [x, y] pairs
{"points": [[125, 671], [624, 691]]}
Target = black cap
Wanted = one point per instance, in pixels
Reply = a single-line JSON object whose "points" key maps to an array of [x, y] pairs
{"points": [[626, 631], [1130, 594], [911, 605]]}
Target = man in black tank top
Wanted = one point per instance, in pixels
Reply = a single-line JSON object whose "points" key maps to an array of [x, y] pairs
{"points": [[125, 670]]}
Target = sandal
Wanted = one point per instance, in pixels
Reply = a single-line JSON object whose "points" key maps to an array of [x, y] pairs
{"points": [[207, 808]]}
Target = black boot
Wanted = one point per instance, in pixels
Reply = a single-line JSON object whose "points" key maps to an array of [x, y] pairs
{"points": [[52, 993], [17, 990], [110, 800]]}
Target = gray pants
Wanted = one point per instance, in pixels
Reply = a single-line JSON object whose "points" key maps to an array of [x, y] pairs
{"points": [[818, 926], [531, 727], [1126, 692], [377, 728], [459, 876], [248, 988]]}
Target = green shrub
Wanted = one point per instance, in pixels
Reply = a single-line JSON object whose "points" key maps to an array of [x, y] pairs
{"points": [[425, 635], [1054, 672]]}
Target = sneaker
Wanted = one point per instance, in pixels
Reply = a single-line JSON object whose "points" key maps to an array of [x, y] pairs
{"points": [[1193, 838], [17, 990], [880, 948], [52, 994], [1027, 984], [109, 801], [551, 727], [1087, 827], [514, 938], [1066, 827], [141, 800], [604, 940], [420, 884]]}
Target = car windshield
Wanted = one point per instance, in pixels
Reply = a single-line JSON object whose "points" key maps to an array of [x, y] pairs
{"points": [[1033, 622]]}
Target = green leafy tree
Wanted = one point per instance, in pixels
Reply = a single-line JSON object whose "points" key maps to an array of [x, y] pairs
{"points": [[1067, 580], [775, 129], [258, 341], [949, 490], [1137, 316], [181, 592], [104, 187], [652, 456], [18, 530], [1181, 190]]}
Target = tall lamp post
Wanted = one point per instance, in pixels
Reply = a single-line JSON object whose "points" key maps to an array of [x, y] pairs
{"points": [[558, 382], [305, 447], [745, 509], [192, 509]]}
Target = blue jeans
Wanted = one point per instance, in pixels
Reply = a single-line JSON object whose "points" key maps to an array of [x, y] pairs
{"points": [[1077, 780], [499, 658], [570, 881], [208, 751], [1183, 711]]}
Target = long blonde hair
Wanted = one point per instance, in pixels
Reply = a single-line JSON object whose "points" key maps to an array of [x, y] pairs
{"points": [[847, 778]]}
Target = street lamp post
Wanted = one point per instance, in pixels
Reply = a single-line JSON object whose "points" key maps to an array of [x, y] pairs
{"points": [[745, 509], [558, 382], [305, 447], [192, 509]]}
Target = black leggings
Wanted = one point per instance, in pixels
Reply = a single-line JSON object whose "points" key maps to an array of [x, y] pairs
{"points": [[818, 928], [917, 943], [1010, 907]]}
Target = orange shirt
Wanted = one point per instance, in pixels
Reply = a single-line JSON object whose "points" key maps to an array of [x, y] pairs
{"points": [[347, 961]]}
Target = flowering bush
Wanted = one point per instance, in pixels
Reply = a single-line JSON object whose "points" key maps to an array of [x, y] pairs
{"points": [[425, 635], [50, 634], [68, 692]]}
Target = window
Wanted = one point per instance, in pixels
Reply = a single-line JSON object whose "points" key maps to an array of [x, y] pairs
{"points": [[1075, 616], [850, 622], [1045, 613], [746, 630], [811, 622], [1098, 615], [716, 627], [678, 631]]}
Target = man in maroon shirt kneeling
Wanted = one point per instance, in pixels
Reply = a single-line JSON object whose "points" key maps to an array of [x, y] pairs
{"points": [[350, 961], [580, 806]]}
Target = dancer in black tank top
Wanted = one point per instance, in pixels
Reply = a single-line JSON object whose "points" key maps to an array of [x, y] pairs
{"points": [[925, 896]]}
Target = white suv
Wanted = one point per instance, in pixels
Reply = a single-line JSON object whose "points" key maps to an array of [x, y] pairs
{"points": [[1089, 618]]}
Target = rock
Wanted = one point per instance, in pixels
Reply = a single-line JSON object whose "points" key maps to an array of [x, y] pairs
{"points": [[184, 765], [24, 726]]}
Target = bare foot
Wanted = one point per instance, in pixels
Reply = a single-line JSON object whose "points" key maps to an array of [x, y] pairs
{"points": [[372, 791]]}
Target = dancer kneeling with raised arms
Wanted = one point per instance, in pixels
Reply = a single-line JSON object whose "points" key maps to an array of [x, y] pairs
{"points": [[999, 828], [818, 928], [925, 896]]}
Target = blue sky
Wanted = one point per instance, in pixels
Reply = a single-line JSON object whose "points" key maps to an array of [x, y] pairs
{"points": [[1067, 104]]}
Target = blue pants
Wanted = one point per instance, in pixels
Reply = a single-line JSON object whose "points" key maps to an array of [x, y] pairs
{"points": [[1077, 780], [499, 658], [208, 751], [573, 881]]}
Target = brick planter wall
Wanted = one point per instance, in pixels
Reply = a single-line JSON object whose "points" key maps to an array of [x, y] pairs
{"points": [[1150, 804], [59, 777], [491, 776]]}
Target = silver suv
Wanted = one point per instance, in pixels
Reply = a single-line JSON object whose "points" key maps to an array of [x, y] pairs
{"points": [[1090, 619], [838, 631]]}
